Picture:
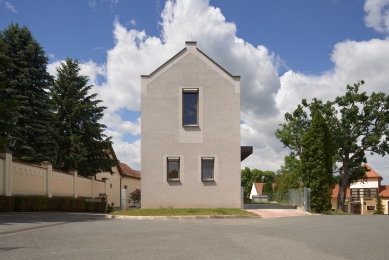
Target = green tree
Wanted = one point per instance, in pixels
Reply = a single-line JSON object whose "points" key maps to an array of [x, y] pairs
{"points": [[358, 123], [316, 163], [267, 189], [245, 181], [32, 137], [82, 143], [7, 107], [379, 206], [248, 177], [288, 177]]}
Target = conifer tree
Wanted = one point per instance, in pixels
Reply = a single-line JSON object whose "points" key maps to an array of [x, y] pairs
{"points": [[32, 137], [82, 143], [379, 207], [6, 105], [316, 163]]}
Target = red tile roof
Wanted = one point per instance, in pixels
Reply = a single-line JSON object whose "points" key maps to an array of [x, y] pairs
{"points": [[384, 191], [129, 172], [372, 173], [258, 187], [335, 191]]}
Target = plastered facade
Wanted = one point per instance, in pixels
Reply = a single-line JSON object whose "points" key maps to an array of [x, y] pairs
{"points": [[217, 134]]}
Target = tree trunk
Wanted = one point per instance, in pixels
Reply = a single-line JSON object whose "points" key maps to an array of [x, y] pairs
{"points": [[342, 188]]}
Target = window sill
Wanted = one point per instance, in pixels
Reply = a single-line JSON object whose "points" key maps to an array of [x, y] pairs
{"points": [[207, 180], [173, 179], [194, 125]]}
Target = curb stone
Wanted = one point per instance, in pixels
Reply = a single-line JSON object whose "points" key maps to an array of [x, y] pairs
{"points": [[181, 217]]}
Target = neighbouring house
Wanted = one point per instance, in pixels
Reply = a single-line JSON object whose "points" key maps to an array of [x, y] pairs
{"points": [[256, 190], [360, 197], [124, 177], [190, 134]]}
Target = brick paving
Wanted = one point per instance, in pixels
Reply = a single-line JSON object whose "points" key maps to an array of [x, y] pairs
{"points": [[277, 213]]}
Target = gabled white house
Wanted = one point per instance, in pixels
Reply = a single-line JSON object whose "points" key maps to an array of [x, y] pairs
{"points": [[190, 134]]}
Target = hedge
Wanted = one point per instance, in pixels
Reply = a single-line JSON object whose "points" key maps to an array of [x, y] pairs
{"points": [[34, 203]]}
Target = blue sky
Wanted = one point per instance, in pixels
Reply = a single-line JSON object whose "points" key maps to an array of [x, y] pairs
{"points": [[284, 50]]}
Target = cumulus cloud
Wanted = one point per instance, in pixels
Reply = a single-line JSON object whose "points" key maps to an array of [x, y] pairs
{"points": [[377, 15]]}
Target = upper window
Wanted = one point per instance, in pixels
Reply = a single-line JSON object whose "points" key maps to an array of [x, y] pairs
{"points": [[207, 168], [173, 168], [125, 187], [190, 97]]}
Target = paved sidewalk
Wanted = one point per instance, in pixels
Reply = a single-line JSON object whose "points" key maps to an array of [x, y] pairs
{"points": [[180, 217], [277, 213]]}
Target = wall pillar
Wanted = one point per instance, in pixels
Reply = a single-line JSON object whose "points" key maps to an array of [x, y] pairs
{"points": [[7, 172], [74, 172], [349, 205], [49, 170]]}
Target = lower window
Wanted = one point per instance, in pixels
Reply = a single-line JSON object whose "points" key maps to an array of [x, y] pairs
{"points": [[207, 168], [173, 168], [370, 207]]}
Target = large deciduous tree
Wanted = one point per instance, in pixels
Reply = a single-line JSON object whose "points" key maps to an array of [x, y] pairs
{"points": [[32, 137], [358, 123], [81, 139], [316, 163]]}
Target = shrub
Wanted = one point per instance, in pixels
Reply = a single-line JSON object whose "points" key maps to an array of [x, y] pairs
{"points": [[136, 196], [37, 203]]}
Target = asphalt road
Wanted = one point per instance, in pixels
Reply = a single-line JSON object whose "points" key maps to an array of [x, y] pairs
{"points": [[87, 236]]}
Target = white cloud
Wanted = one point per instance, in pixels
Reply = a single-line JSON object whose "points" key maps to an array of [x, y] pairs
{"points": [[116, 122], [377, 15], [132, 22], [92, 4], [9, 6], [51, 56]]}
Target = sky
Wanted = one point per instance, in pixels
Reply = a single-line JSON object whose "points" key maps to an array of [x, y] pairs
{"points": [[284, 51]]}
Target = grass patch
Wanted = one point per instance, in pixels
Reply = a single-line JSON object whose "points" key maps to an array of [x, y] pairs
{"points": [[184, 212], [334, 212]]}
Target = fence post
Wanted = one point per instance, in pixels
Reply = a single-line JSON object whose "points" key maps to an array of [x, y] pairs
{"points": [[74, 172], [7, 172], [49, 170]]}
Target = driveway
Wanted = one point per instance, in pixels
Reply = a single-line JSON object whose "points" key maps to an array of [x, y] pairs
{"points": [[84, 236]]}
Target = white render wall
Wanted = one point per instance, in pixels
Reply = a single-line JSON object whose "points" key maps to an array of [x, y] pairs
{"points": [[163, 135], [365, 184]]}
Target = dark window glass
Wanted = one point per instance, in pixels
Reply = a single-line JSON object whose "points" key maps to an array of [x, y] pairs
{"points": [[173, 168], [370, 207], [190, 108], [207, 169]]}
